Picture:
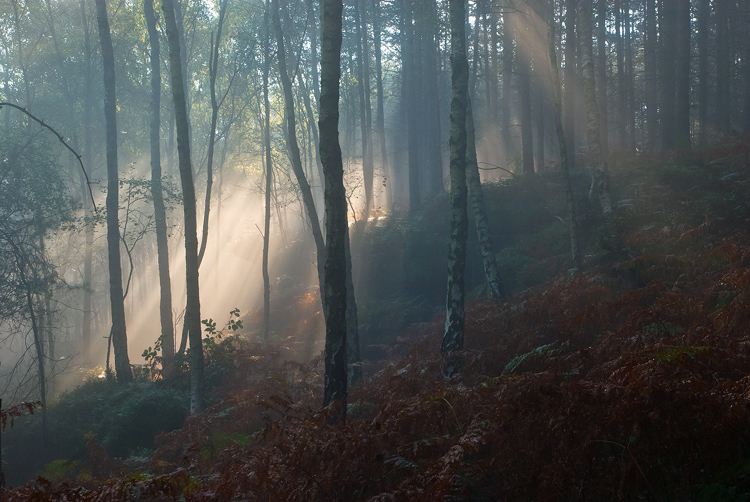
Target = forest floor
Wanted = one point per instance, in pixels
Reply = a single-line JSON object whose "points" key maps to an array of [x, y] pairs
{"points": [[628, 381]]}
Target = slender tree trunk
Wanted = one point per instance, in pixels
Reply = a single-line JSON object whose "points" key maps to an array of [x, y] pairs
{"points": [[557, 98], [723, 67], [682, 118], [480, 209], [119, 334], [294, 153], [599, 175], [365, 114], [411, 99], [380, 113], [621, 78], [269, 178], [453, 338], [213, 69], [704, 14], [160, 216], [629, 83], [192, 312], [87, 202], [571, 74], [335, 390], [524, 94], [507, 97], [746, 72], [601, 80], [667, 83], [651, 76]]}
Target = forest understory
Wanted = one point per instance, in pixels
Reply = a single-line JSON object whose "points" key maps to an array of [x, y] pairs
{"points": [[625, 381]]}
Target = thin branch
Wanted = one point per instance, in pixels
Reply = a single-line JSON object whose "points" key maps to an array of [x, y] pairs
{"points": [[62, 140]]}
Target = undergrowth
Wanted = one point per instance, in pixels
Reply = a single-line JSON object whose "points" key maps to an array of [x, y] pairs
{"points": [[629, 382]]}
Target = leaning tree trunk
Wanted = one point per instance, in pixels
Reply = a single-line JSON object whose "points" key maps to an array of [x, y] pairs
{"points": [[575, 250], [118, 333], [294, 153], [335, 391], [453, 338], [193, 311], [599, 175], [160, 216]]}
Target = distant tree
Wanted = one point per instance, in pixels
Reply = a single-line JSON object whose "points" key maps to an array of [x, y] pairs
{"points": [[453, 337], [118, 333]]}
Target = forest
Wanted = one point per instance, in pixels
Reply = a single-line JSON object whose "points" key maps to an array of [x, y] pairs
{"points": [[375, 250]]}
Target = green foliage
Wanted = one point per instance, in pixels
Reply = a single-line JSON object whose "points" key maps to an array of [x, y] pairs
{"points": [[122, 419]]}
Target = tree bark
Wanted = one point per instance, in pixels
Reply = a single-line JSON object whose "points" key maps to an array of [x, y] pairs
{"points": [[192, 312], [704, 14], [557, 98], [335, 390], [651, 75], [380, 113], [667, 83], [480, 209], [213, 69], [453, 338], [571, 74], [157, 194], [268, 178], [601, 67], [119, 334], [412, 98], [599, 175], [294, 153], [682, 78], [723, 67]]}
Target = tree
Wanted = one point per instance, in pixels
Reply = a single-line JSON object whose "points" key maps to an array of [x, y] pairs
{"points": [[575, 249], [160, 217], [453, 337], [118, 333], [268, 178], [192, 312], [599, 174], [334, 290]]}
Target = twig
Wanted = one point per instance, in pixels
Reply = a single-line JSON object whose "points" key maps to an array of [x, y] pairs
{"points": [[494, 167], [59, 136]]}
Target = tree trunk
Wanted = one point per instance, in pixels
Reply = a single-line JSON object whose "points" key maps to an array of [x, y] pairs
{"points": [[599, 175], [557, 97], [667, 83], [160, 217], [412, 99], [380, 113], [335, 390], [524, 94], [480, 209], [601, 80], [453, 338], [682, 112], [192, 312], [507, 97], [723, 67], [269, 178], [704, 14], [119, 334], [213, 69], [629, 90], [88, 218], [651, 76], [622, 100], [571, 74]]}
